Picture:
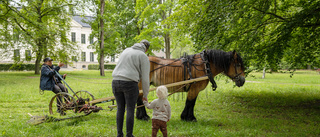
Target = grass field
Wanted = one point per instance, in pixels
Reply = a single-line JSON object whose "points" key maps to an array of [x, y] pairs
{"points": [[275, 106]]}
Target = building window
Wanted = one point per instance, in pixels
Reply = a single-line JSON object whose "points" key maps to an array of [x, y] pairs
{"points": [[91, 40], [16, 55], [112, 58], [16, 35], [28, 55], [73, 36], [91, 57], [74, 58], [83, 56], [83, 38]]}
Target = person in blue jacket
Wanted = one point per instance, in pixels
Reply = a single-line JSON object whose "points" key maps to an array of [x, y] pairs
{"points": [[50, 80]]}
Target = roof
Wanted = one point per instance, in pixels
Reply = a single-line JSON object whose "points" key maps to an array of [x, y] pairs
{"points": [[83, 20]]}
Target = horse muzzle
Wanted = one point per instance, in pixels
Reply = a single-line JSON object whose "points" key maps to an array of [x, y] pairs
{"points": [[239, 80]]}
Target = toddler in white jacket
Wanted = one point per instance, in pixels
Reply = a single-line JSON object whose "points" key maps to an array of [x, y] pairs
{"points": [[161, 111]]}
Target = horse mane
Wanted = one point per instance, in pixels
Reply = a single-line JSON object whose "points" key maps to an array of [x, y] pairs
{"points": [[222, 59]]}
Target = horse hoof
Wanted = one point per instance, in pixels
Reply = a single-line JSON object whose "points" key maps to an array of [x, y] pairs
{"points": [[145, 118], [189, 120]]}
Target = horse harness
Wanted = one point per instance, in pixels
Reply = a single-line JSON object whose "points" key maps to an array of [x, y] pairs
{"points": [[187, 62], [237, 77], [204, 58]]}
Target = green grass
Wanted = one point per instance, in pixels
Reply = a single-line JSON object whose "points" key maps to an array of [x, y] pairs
{"points": [[275, 106]]}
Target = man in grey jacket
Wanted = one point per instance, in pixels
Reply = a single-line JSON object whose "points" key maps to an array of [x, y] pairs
{"points": [[133, 66]]}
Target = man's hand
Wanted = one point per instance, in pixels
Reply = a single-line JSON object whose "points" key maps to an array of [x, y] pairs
{"points": [[60, 64], [145, 99], [64, 76]]}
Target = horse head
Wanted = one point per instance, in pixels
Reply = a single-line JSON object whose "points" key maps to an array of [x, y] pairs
{"points": [[236, 69], [230, 63]]}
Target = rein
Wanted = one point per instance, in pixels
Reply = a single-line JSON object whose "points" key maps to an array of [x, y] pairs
{"points": [[235, 68], [163, 65]]}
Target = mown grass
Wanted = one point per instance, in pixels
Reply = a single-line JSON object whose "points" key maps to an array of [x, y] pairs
{"points": [[275, 106]]}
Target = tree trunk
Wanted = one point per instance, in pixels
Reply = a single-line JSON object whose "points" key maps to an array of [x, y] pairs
{"points": [[101, 62], [264, 73], [166, 34], [37, 64], [39, 54], [167, 45]]}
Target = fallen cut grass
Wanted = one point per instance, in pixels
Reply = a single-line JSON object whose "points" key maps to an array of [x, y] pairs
{"points": [[275, 106]]}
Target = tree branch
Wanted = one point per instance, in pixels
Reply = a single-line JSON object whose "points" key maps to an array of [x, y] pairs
{"points": [[266, 22], [18, 13], [312, 25], [269, 13], [20, 26]]}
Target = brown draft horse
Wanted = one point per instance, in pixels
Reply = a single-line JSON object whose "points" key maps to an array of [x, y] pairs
{"points": [[207, 63]]}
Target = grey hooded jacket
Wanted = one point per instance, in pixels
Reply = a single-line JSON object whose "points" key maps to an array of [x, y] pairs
{"points": [[134, 65]]}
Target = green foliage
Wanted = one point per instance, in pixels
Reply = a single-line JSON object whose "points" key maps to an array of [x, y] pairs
{"points": [[152, 21], [109, 66], [119, 26], [128, 22], [19, 67], [264, 32], [39, 26], [97, 67], [93, 67]]}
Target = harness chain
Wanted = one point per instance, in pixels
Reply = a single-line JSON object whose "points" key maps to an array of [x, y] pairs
{"points": [[204, 57], [187, 63]]}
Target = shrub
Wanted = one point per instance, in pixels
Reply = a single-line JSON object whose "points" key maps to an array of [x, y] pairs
{"points": [[19, 67], [109, 66], [96, 66], [93, 67]]}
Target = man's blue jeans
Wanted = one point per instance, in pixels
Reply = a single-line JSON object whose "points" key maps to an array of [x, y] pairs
{"points": [[126, 94]]}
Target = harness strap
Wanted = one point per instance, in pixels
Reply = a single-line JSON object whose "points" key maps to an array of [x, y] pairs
{"points": [[163, 65], [187, 63], [204, 57], [190, 59]]}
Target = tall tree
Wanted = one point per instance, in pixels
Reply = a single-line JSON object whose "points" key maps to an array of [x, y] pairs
{"points": [[265, 32], [42, 26], [101, 39], [152, 16], [119, 26]]}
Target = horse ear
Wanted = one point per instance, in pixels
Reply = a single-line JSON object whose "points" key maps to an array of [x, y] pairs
{"points": [[234, 53]]}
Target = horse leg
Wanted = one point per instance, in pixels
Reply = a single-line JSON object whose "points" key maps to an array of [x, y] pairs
{"points": [[141, 112], [187, 113]]}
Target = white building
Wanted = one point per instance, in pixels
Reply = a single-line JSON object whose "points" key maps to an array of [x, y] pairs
{"points": [[80, 33]]}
